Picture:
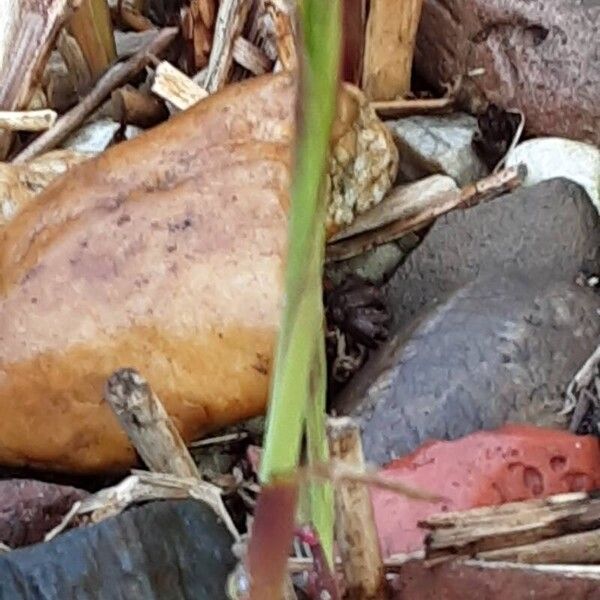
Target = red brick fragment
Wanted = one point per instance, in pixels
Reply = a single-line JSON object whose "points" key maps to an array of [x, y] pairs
{"points": [[516, 462]]}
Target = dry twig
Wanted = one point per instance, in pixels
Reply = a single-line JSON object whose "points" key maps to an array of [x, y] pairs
{"points": [[485, 189], [116, 76], [143, 486], [395, 109]]}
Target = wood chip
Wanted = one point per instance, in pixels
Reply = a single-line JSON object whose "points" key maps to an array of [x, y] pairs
{"points": [[176, 87], [481, 531], [130, 105], [229, 24], [250, 57], [32, 120], [283, 24], [91, 26]]}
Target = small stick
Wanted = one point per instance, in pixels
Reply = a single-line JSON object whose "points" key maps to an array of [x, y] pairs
{"points": [[27, 120], [176, 87], [148, 425], [356, 534], [393, 109], [116, 76], [229, 24], [129, 105], [485, 189]]}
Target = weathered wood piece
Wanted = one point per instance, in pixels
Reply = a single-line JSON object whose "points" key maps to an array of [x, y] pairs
{"points": [[91, 26], [482, 532], [228, 26], [176, 87], [356, 535], [389, 47], [148, 425]]}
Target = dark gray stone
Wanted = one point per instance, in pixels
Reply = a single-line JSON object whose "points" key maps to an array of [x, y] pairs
{"points": [[490, 326], [161, 551], [551, 226], [498, 350]]}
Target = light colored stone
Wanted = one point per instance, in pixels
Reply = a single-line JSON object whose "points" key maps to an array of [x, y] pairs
{"points": [[438, 144], [95, 137], [551, 157]]}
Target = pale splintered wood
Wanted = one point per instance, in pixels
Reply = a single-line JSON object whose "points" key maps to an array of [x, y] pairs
{"points": [[176, 87], [228, 26], [530, 531], [356, 534], [29, 120]]}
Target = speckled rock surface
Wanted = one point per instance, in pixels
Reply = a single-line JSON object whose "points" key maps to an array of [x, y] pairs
{"points": [[541, 56], [161, 551], [489, 324]]}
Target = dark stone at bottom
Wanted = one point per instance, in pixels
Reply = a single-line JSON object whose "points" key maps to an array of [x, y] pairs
{"points": [[175, 550], [29, 509]]}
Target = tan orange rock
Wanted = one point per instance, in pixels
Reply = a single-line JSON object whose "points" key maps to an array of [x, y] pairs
{"points": [[164, 253]]}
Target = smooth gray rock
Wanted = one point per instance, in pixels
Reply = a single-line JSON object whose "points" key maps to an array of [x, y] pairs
{"points": [[437, 144], [501, 349], [175, 550], [489, 324], [551, 226]]}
